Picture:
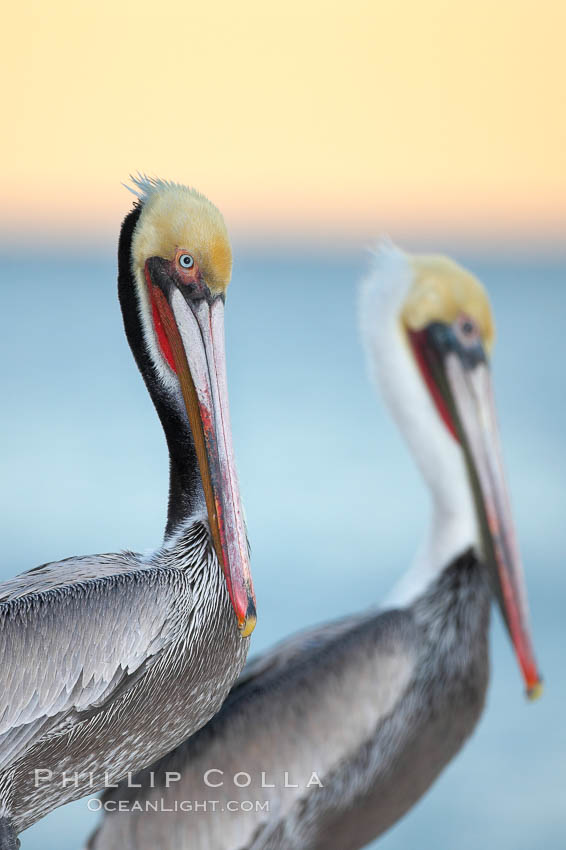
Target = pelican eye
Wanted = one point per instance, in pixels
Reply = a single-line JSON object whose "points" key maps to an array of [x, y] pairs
{"points": [[186, 261], [467, 331]]}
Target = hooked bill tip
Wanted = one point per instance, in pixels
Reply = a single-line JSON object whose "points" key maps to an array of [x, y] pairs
{"points": [[247, 625], [535, 691]]}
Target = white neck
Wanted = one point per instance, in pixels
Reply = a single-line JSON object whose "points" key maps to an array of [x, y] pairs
{"points": [[453, 527]]}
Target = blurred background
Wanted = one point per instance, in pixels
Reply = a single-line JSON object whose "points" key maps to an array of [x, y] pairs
{"points": [[315, 127]]}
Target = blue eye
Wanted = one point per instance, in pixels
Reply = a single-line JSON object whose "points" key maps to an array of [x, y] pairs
{"points": [[186, 261]]}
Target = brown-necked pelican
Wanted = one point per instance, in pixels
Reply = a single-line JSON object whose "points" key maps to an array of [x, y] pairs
{"points": [[108, 661], [327, 740]]}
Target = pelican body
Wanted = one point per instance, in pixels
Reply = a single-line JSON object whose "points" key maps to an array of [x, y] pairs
{"points": [[341, 729], [108, 661]]}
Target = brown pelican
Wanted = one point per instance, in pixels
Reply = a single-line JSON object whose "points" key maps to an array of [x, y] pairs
{"points": [[331, 737], [108, 661]]}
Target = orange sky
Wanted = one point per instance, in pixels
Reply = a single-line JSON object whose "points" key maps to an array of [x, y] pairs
{"points": [[434, 116]]}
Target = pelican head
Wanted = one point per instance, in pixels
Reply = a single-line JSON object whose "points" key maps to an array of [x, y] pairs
{"points": [[430, 333], [179, 263]]}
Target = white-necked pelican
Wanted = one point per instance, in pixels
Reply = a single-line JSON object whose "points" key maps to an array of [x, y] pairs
{"points": [[332, 736], [108, 661]]}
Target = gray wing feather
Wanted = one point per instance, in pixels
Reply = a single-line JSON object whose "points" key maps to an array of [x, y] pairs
{"points": [[55, 574], [284, 654], [71, 647]]}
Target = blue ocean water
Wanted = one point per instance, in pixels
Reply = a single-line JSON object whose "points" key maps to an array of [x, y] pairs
{"points": [[334, 503]]}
